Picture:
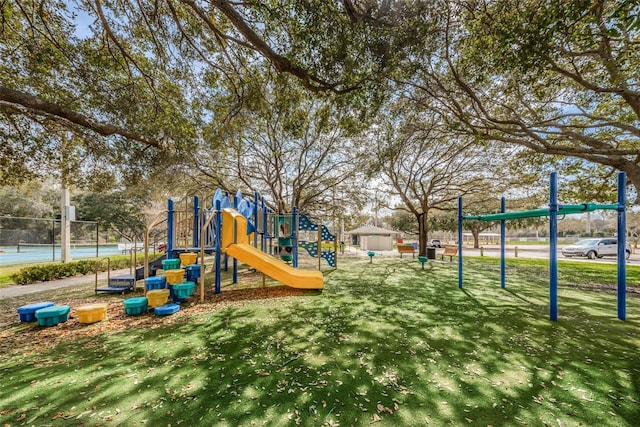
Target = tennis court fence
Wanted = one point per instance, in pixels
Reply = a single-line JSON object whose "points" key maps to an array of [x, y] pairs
{"points": [[42, 234]]}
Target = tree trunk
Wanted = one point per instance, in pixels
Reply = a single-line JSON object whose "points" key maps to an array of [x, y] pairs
{"points": [[476, 237], [423, 233], [633, 176]]}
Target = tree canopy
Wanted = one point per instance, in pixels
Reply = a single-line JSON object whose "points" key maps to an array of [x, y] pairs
{"points": [[559, 78], [117, 90]]}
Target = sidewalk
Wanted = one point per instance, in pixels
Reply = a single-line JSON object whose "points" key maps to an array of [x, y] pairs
{"points": [[19, 290]]}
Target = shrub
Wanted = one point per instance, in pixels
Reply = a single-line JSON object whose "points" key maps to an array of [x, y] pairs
{"points": [[46, 272], [85, 267]]}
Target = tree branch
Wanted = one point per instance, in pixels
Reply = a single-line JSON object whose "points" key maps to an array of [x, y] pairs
{"points": [[281, 63], [36, 105]]}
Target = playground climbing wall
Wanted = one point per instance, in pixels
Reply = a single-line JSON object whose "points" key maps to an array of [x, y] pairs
{"points": [[312, 247]]}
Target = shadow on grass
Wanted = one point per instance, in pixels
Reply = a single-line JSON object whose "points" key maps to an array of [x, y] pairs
{"points": [[385, 343]]}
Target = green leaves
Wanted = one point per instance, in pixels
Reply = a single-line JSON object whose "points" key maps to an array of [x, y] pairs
{"points": [[118, 211]]}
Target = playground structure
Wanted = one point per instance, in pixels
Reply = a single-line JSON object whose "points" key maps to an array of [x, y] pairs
{"points": [[226, 228], [552, 212], [235, 243], [244, 229]]}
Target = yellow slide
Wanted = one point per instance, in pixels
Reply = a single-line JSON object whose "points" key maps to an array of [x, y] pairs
{"points": [[275, 268], [236, 244]]}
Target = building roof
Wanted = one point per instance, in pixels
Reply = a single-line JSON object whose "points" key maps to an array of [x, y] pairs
{"points": [[371, 230]]}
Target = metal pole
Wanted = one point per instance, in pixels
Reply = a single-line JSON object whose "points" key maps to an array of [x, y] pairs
{"points": [[265, 225], [170, 228], [203, 231], [196, 221], [234, 273], [503, 241], [65, 226], [226, 256], [294, 237], [335, 250], [622, 247], [320, 245], [460, 219], [255, 218], [218, 238], [553, 247]]}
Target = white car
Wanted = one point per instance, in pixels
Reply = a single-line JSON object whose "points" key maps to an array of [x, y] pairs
{"points": [[595, 248], [435, 243]]}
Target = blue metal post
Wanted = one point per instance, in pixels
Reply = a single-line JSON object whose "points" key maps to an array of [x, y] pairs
{"points": [[460, 219], [255, 218], [218, 243], [196, 221], [503, 242], [294, 238], [622, 245], [170, 227], [553, 247], [226, 257], [204, 217], [265, 228], [236, 203]]}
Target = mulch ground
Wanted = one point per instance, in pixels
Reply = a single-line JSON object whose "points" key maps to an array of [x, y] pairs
{"points": [[26, 338]]}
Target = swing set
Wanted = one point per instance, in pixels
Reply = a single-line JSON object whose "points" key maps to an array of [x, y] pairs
{"points": [[552, 212]]}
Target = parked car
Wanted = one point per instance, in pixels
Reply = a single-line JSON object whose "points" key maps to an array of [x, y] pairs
{"points": [[595, 248], [435, 243]]}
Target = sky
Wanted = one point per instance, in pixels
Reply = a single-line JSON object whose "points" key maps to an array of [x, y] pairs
{"points": [[82, 21]]}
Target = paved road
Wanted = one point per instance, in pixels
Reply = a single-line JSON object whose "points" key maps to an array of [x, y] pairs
{"points": [[525, 251], [540, 251]]}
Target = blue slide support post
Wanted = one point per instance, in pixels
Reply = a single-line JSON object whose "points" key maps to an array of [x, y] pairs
{"points": [[294, 237], [234, 273], [553, 247], [460, 219], [170, 227], [218, 242], [622, 245], [503, 242], [265, 227], [226, 257], [256, 198]]}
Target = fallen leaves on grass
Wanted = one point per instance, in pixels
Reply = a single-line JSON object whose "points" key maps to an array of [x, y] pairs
{"points": [[382, 409]]}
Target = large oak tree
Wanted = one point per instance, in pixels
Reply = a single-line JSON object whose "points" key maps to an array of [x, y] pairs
{"points": [[142, 74], [559, 78]]}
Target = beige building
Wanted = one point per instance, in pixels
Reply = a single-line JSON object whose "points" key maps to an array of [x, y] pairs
{"points": [[372, 238]]}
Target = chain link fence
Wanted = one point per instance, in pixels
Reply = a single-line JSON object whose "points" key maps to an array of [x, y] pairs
{"points": [[24, 240]]}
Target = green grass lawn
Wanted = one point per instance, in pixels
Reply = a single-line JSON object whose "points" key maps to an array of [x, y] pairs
{"points": [[386, 344], [6, 273]]}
